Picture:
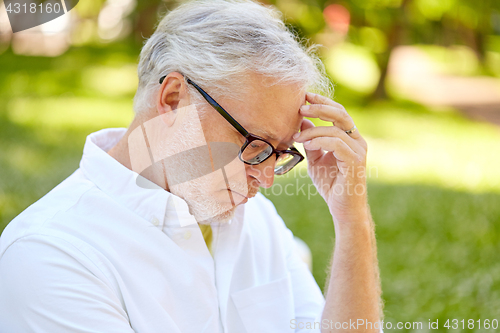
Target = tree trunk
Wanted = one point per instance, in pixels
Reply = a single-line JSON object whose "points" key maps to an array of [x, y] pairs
{"points": [[394, 34]]}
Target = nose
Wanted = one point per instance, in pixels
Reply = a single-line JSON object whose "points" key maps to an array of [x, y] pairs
{"points": [[263, 172]]}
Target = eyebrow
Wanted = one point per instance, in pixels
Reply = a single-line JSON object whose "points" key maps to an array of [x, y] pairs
{"points": [[270, 136]]}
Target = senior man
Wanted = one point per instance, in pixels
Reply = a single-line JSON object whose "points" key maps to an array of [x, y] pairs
{"points": [[161, 229]]}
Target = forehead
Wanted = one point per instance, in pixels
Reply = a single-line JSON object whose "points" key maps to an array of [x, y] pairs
{"points": [[267, 109]]}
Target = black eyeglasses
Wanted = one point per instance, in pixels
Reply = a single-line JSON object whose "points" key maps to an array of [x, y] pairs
{"points": [[256, 149]]}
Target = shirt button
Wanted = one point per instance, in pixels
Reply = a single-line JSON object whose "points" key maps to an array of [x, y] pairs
{"points": [[187, 235], [155, 221]]}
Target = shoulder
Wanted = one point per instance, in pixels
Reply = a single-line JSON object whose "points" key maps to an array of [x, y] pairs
{"points": [[54, 283], [43, 260], [35, 218]]}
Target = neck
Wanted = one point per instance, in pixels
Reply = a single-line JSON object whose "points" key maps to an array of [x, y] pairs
{"points": [[120, 152]]}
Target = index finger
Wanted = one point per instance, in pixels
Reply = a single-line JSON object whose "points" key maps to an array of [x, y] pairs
{"points": [[320, 99], [337, 114]]}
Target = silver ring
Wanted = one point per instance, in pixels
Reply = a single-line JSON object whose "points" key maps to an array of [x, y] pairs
{"points": [[351, 130]]}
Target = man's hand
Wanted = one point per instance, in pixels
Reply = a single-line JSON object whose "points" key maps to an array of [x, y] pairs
{"points": [[337, 166], [336, 160]]}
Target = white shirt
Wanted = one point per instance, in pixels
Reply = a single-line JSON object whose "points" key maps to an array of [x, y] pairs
{"points": [[100, 254]]}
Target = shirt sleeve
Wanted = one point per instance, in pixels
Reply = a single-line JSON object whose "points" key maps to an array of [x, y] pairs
{"points": [[49, 286]]}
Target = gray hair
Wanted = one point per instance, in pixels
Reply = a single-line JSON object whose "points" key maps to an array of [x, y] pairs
{"points": [[215, 42]]}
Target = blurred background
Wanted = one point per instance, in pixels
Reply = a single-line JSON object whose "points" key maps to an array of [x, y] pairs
{"points": [[421, 78]]}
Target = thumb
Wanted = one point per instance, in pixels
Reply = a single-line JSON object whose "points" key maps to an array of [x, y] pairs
{"points": [[312, 155]]}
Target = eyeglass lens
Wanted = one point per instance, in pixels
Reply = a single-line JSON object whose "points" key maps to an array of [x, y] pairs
{"points": [[257, 151], [285, 162]]}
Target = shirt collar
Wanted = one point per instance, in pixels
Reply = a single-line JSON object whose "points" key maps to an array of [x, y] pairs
{"points": [[120, 183]]}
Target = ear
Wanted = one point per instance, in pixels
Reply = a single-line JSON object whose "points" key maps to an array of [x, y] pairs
{"points": [[173, 94]]}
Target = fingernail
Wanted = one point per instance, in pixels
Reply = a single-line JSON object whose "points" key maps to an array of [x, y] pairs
{"points": [[304, 107], [296, 135], [307, 142]]}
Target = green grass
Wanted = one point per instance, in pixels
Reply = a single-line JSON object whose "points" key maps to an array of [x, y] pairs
{"points": [[435, 197], [438, 248]]}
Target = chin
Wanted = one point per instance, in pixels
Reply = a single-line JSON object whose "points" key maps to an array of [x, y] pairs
{"points": [[209, 207], [218, 218]]}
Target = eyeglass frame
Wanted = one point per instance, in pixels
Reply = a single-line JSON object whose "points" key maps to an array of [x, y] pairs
{"points": [[248, 136]]}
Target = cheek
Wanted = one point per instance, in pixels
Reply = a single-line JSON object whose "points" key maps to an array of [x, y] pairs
{"points": [[209, 124], [217, 132], [236, 172], [217, 129]]}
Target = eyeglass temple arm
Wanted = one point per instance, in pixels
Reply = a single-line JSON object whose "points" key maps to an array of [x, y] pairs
{"points": [[219, 108], [216, 106]]}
